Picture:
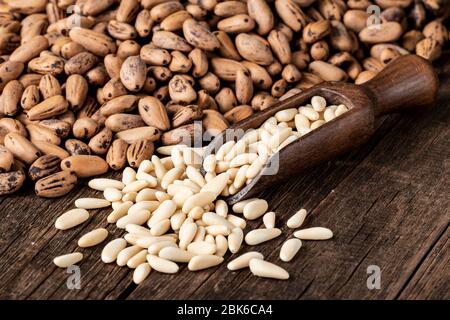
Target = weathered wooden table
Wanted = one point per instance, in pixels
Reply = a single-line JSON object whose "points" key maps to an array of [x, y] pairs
{"points": [[388, 204]]}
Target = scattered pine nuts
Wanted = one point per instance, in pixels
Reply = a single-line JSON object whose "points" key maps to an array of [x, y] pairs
{"points": [[266, 269], [71, 218], [243, 260], [297, 219], [93, 238], [316, 233], [289, 249], [258, 236], [68, 260]]}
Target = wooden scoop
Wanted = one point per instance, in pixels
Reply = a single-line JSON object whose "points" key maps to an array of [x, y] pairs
{"points": [[405, 84]]}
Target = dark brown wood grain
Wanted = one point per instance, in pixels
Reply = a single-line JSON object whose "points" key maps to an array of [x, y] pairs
{"points": [[387, 202]]}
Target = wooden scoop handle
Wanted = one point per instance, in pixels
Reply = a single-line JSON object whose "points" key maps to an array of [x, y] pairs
{"points": [[410, 82]]}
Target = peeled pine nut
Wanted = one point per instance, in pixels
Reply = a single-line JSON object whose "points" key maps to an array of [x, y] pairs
{"points": [[297, 219], [194, 175], [156, 247], [112, 249], [171, 176], [216, 184], [341, 109], [198, 200], [162, 196], [209, 163], [309, 113], [68, 260], [119, 212], [71, 218], [141, 272], [160, 227], [140, 217], [203, 262], [201, 248], [126, 254], [91, 203], [221, 208], [241, 176], [289, 249], [236, 221], [187, 234], [196, 213], [235, 240], [175, 254], [217, 229], [238, 207], [146, 166], [148, 178], [134, 228], [269, 220], [286, 115], [93, 238], [255, 209], [242, 159], [128, 175], [316, 233], [162, 265], [165, 210], [317, 124], [243, 260], [131, 196], [135, 186], [329, 114], [266, 269], [318, 103], [254, 169], [221, 245], [224, 150], [112, 194], [236, 150], [101, 184], [258, 236], [302, 122], [137, 259], [146, 195], [211, 218], [278, 137]]}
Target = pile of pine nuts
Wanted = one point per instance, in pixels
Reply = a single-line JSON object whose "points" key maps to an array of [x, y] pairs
{"points": [[94, 84], [180, 220]]}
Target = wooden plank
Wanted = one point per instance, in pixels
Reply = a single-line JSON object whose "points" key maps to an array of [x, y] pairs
{"points": [[432, 279], [387, 203]]}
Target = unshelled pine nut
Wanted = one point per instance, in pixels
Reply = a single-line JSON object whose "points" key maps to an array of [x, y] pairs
{"points": [[68, 260], [297, 219], [266, 269], [316, 233], [243, 260], [71, 218], [289, 249], [93, 238]]}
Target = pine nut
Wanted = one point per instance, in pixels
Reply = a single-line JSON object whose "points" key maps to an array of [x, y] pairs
{"points": [[195, 175], [238, 207], [126, 254], [119, 212], [176, 220], [141, 272], [218, 229], [204, 262], [209, 163], [236, 221], [235, 240], [199, 200], [200, 235], [310, 113], [159, 168], [196, 213], [171, 176], [130, 196], [91, 203], [175, 254], [241, 176], [297, 219], [156, 247], [71, 218], [255, 209], [151, 181], [289, 249], [93, 238], [160, 227], [243, 260], [318, 103], [242, 159], [317, 124], [341, 109], [112, 249], [144, 205], [134, 228], [68, 260], [112, 194], [221, 208], [258, 236], [286, 115], [278, 137], [329, 114], [187, 234], [139, 217], [128, 175], [137, 259], [146, 166], [162, 196], [147, 241], [221, 245], [162, 265], [201, 248], [266, 269], [135, 186], [236, 150], [146, 195], [301, 122], [216, 184], [165, 210], [101, 184], [316, 233], [269, 220], [211, 218]]}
